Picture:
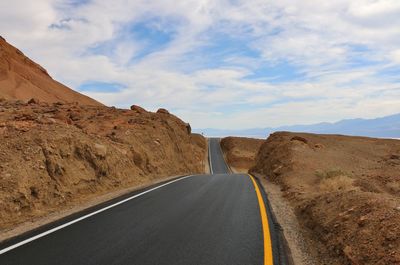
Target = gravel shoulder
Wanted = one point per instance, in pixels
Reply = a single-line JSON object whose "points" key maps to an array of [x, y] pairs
{"points": [[304, 249]]}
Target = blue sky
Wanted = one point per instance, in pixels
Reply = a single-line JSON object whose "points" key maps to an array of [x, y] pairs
{"points": [[222, 64]]}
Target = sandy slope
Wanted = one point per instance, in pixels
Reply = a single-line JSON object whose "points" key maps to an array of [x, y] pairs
{"points": [[63, 150], [241, 152], [346, 192], [23, 79], [57, 155]]}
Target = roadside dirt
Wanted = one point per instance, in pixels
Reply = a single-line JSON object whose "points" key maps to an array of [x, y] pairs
{"points": [[240, 152], [300, 241], [345, 192], [57, 156], [207, 168]]}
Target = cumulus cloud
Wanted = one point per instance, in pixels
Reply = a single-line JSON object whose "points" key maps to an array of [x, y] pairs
{"points": [[224, 64]]}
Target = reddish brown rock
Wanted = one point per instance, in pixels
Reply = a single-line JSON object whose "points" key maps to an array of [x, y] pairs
{"points": [[33, 101], [32, 80], [138, 109], [163, 111]]}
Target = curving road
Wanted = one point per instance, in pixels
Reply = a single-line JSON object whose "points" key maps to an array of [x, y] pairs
{"points": [[203, 219]]}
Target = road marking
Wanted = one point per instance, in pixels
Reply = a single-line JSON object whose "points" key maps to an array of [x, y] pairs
{"points": [[268, 259], [85, 216], [209, 156]]}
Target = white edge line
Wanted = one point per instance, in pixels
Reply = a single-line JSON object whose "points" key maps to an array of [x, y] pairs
{"points": [[85, 216], [209, 156]]}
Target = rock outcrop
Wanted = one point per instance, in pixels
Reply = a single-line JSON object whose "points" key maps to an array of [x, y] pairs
{"points": [[54, 156], [346, 191]]}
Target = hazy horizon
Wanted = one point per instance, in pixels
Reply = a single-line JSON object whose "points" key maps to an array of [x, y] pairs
{"points": [[381, 127], [298, 124]]}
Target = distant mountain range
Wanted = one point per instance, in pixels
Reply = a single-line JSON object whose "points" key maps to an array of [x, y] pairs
{"points": [[384, 127]]}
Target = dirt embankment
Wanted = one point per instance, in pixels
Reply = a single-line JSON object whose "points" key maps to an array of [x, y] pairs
{"points": [[241, 152], [57, 155], [23, 79], [346, 192]]}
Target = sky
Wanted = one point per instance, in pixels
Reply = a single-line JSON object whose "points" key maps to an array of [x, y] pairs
{"points": [[228, 64]]}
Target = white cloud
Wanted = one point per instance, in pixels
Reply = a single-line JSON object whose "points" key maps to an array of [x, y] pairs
{"points": [[323, 40], [395, 55]]}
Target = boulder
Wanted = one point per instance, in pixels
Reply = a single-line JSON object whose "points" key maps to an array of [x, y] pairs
{"points": [[138, 109], [188, 128], [163, 111], [100, 150], [299, 138], [33, 101]]}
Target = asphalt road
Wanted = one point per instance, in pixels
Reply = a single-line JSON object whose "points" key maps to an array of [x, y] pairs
{"points": [[217, 162], [202, 219]]}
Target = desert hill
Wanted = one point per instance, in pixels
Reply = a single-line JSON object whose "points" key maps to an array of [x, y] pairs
{"points": [[23, 79], [344, 190], [241, 152], [56, 156], [61, 151]]}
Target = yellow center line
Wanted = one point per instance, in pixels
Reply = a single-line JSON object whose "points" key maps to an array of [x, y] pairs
{"points": [[268, 260]]}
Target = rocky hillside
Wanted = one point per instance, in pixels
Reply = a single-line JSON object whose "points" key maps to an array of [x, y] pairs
{"points": [[241, 152], [57, 155], [346, 192], [23, 79]]}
